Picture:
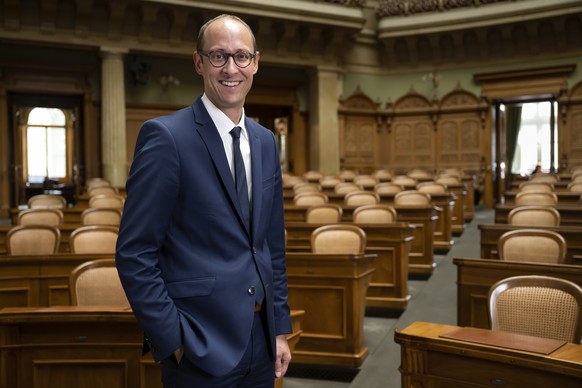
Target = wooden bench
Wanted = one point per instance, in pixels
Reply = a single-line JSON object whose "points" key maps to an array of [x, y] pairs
{"points": [[423, 218], [390, 242], [490, 234], [476, 276], [331, 289]]}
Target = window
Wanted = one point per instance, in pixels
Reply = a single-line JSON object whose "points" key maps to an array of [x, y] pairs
{"points": [[46, 134], [533, 146]]}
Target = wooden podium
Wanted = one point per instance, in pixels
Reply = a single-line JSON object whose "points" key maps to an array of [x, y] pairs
{"points": [[88, 347]]}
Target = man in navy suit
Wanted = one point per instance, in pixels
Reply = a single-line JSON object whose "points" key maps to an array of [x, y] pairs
{"points": [[201, 246]]}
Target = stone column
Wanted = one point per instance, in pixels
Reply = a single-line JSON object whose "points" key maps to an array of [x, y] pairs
{"points": [[113, 133], [324, 94]]}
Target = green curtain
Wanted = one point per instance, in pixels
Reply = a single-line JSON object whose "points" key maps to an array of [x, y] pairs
{"points": [[513, 123]]}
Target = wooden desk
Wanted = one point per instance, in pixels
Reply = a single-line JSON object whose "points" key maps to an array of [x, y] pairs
{"points": [[490, 234], [564, 197], [390, 242], [570, 215], [33, 281], [476, 276], [430, 361], [89, 347], [423, 218], [331, 289]]}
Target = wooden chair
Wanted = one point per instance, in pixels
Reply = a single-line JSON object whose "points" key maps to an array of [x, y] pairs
{"points": [[531, 215], [575, 187], [346, 187], [388, 188], [532, 245], [543, 177], [47, 201], [539, 306], [536, 198], [101, 216], [412, 198], [382, 175], [107, 201], [312, 176], [306, 187], [449, 180], [338, 238], [310, 199], [94, 239], [97, 182], [329, 182], [291, 180], [96, 283], [33, 240], [432, 187], [327, 213], [367, 182], [404, 180], [107, 190], [536, 186], [374, 214], [40, 216], [361, 197], [347, 175], [419, 174]]}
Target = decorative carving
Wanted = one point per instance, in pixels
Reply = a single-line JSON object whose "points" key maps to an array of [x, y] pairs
{"points": [[410, 7]]}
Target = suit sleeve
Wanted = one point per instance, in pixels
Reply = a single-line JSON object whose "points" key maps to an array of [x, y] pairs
{"points": [[152, 189]]}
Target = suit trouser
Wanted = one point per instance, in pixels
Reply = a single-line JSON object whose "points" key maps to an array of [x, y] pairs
{"points": [[256, 369]]}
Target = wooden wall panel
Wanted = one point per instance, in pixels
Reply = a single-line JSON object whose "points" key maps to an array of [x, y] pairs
{"points": [[572, 147]]}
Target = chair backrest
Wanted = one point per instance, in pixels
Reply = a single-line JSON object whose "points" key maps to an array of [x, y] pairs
{"points": [[536, 198], [310, 199], [346, 187], [107, 201], [432, 188], [536, 186], [543, 177], [327, 213], [94, 239], [347, 175], [412, 198], [539, 306], [107, 190], [382, 175], [365, 181], [306, 187], [388, 188], [449, 180], [312, 176], [576, 179], [97, 182], [532, 245], [575, 187], [374, 214], [329, 182], [419, 174], [404, 180], [338, 238], [33, 240], [291, 180], [40, 216], [101, 216], [47, 201], [96, 283], [359, 198], [531, 215]]}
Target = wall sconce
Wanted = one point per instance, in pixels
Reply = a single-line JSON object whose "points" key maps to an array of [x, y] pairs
{"points": [[434, 77], [168, 80]]}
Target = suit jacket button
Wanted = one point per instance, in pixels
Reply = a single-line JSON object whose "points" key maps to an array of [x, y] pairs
{"points": [[251, 290]]}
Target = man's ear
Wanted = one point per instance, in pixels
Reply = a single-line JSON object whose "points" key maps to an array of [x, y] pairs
{"points": [[197, 62], [256, 62]]}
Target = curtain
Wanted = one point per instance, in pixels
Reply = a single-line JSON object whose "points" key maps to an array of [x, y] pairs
{"points": [[513, 123]]}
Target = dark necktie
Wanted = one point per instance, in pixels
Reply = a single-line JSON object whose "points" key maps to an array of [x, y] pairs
{"points": [[240, 177]]}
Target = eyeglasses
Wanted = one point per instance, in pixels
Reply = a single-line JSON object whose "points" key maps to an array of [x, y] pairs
{"points": [[218, 58]]}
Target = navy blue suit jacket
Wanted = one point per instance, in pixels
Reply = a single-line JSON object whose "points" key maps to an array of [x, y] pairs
{"points": [[184, 257]]}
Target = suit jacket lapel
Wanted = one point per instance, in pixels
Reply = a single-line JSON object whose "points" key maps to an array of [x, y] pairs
{"points": [[209, 134]]}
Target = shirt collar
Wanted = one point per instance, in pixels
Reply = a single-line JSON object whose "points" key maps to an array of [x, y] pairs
{"points": [[222, 122]]}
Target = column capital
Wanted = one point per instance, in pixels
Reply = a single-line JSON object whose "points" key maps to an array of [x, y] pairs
{"points": [[113, 50]]}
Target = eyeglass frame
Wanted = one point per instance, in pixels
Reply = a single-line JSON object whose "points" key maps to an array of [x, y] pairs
{"points": [[252, 57]]}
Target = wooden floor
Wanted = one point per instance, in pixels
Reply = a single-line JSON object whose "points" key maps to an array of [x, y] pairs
{"points": [[433, 300]]}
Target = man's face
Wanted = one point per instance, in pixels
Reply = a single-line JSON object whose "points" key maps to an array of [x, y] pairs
{"points": [[228, 85]]}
